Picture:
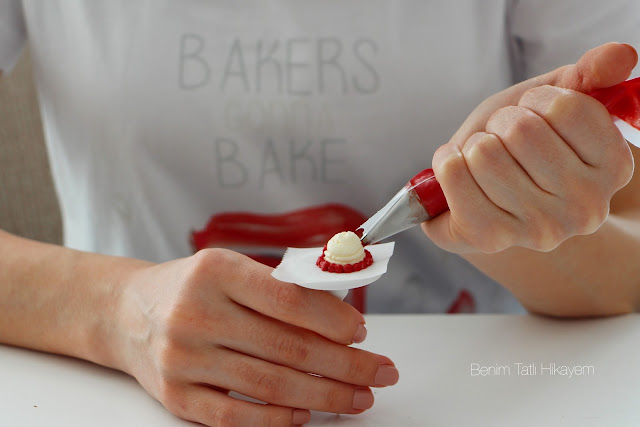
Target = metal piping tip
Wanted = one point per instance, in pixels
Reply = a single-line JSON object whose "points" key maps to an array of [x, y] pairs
{"points": [[403, 211]]}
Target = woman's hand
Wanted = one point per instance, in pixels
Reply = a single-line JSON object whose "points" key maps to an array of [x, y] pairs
{"points": [[193, 329], [537, 163]]}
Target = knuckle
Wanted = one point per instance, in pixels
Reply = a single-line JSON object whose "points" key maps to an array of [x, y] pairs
{"points": [[289, 298], [511, 123], [266, 385], [522, 124], [621, 167], [226, 415], [293, 348], [485, 148], [547, 235], [625, 172], [360, 371], [536, 93], [271, 388], [331, 400], [568, 104], [588, 215], [448, 163], [204, 260], [277, 420]]}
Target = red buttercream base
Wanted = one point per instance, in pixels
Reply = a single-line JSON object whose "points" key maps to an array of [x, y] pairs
{"points": [[346, 268]]}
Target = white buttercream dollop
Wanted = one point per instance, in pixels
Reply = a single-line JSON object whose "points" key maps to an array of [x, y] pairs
{"points": [[344, 248]]}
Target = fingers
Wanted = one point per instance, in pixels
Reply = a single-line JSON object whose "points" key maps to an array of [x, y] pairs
{"points": [[203, 405], [536, 151], [499, 175], [317, 311], [584, 125], [280, 385], [543, 171], [474, 220], [306, 351], [211, 331]]}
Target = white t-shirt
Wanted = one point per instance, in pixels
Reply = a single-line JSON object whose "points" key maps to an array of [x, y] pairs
{"points": [[161, 116]]}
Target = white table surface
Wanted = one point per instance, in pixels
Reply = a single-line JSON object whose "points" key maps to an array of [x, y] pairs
{"points": [[434, 355]]}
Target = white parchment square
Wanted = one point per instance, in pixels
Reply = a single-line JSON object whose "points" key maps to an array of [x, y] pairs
{"points": [[299, 266]]}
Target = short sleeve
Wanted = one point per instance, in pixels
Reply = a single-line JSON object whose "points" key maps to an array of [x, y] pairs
{"points": [[12, 33], [546, 34]]}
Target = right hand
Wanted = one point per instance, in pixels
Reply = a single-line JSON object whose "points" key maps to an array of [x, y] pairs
{"points": [[193, 329]]}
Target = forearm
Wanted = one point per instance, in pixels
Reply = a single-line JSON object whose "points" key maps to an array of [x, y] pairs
{"points": [[59, 300], [591, 275]]}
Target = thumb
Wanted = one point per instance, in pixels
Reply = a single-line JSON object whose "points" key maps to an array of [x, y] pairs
{"points": [[600, 67]]}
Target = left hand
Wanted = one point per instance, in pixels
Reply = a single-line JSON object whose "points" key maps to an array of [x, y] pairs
{"points": [[537, 163]]}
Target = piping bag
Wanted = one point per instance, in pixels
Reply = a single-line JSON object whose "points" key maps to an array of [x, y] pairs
{"points": [[422, 199]]}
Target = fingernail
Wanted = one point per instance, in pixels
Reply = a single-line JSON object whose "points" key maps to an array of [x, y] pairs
{"points": [[301, 416], [362, 399], [360, 335], [387, 375]]}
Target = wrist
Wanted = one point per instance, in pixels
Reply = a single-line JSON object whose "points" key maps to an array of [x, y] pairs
{"points": [[108, 337]]}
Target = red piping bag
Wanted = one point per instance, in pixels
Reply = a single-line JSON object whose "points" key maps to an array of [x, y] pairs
{"points": [[623, 103], [422, 199]]}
